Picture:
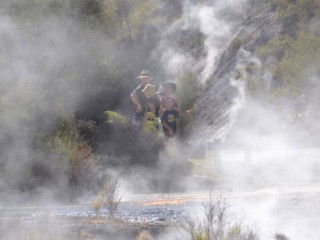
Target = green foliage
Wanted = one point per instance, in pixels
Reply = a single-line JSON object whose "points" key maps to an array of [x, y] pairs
{"points": [[69, 141], [199, 235], [184, 120], [297, 52], [120, 19], [299, 58], [142, 15], [214, 225], [115, 117], [151, 125], [277, 47], [126, 18], [188, 90], [116, 18], [298, 55], [298, 10], [297, 61], [30, 11], [70, 54], [235, 231]]}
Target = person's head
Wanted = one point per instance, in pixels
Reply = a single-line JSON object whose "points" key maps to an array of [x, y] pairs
{"points": [[145, 77], [169, 103], [149, 91], [169, 88]]}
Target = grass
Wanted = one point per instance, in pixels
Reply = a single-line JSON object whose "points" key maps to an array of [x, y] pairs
{"points": [[108, 198], [214, 224]]}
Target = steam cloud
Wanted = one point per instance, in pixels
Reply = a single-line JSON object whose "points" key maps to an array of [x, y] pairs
{"points": [[40, 60]]}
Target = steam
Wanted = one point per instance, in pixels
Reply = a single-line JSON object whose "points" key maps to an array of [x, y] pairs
{"points": [[216, 29], [45, 64], [48, 62], [213, 21], [265, 143]]}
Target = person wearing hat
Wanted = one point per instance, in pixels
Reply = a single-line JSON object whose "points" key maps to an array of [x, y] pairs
{"points": [[168, 90], [138, 97], [153, 101]]}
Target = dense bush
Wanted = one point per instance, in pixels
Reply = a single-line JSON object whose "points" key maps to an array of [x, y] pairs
{"points": [[296, 53]]}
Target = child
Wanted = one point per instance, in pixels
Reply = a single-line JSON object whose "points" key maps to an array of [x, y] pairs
{"points": [[168, 89], [169, 118]]}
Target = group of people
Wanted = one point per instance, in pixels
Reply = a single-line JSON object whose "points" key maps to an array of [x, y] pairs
{"points": [[150, 104]]}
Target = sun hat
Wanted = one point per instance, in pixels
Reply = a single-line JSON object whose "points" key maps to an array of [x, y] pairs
{"points": [[149, 90], [172, 84], [145, 73]]}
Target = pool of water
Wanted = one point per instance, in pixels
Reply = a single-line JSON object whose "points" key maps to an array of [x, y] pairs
{"points": [[294, 211], [128, 212]]}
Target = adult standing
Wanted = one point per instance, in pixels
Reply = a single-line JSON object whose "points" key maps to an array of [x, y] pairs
{"points": [[138, 97]]}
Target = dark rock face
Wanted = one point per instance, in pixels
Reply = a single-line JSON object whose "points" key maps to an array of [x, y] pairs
{"points": [[223, 94]]}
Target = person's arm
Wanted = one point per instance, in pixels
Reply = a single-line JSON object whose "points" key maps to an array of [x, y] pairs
{"points": [[161, 111], [136, 101], [166, 126]]}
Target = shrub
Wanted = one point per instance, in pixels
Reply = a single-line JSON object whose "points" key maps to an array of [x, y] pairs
{"points": [[296, 62], [280, 236], [188, 90], [108, 198], [115, 117], [301, 10], [69, 141], [214, 225]]}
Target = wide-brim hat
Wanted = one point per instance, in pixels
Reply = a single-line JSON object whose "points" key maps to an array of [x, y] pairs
{"points": [[172, 84], [149, 90], [145, 74]]}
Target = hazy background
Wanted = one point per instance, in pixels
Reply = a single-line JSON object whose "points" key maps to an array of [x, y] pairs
{"points": [[66, 62], [62, 68]]}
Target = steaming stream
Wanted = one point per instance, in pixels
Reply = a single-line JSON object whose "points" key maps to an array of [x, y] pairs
{"points": [[278, 190], [292, 204], [296, 207]]}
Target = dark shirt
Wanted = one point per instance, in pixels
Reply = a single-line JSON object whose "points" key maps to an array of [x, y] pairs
{"points": [[143, 101], [170, 117]]}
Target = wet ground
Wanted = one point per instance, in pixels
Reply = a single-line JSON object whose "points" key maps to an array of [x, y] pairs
{"points": [[263, 193], [81, 221], [294, 211]]}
